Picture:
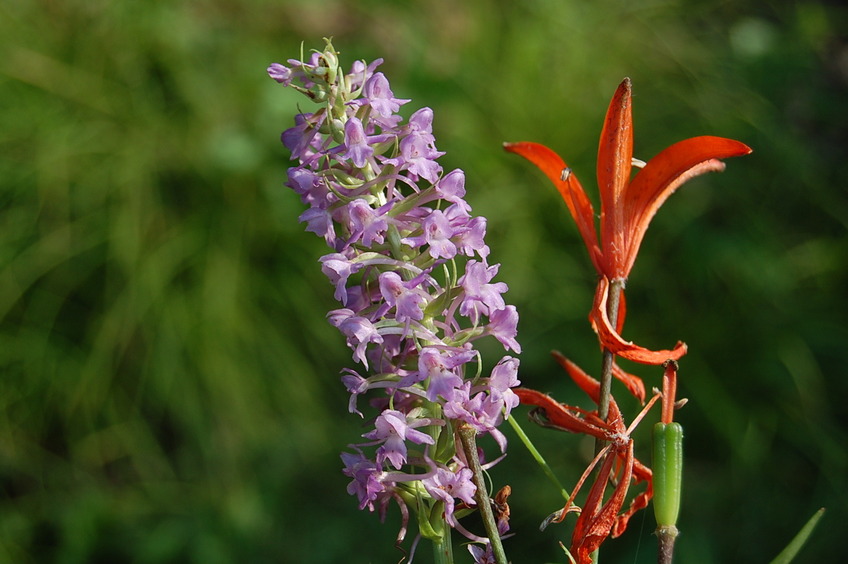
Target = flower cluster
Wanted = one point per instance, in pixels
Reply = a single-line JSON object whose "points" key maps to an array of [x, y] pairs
{"points": [[410, 269]]}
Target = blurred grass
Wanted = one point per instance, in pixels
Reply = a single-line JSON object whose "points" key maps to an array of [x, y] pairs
{"points": [[169, 387]]}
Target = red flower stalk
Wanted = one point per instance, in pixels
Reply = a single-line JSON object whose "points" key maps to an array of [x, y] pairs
{"points": [[598, 519], [627, 205]]}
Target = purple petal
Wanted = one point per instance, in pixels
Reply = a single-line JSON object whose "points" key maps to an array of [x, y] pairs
{"points": [[280, 73], [503, 325], [357, 148]]}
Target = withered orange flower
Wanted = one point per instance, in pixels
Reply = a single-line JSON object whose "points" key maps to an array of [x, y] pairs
{"points": [[627, 204], [598, 518]]}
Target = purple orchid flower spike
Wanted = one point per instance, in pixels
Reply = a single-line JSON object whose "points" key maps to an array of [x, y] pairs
{"points": [[411, 270]]}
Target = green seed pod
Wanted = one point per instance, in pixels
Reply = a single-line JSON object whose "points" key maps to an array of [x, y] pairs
{"points": [[668, 472]]}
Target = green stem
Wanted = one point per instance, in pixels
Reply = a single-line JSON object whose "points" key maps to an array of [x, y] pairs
{"points": [[443, 548], [468, 437]]}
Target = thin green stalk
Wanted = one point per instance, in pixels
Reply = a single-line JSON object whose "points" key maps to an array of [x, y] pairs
{"points": [[468, 437], [537, 456]]}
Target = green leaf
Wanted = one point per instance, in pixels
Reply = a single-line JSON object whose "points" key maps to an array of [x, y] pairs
{"points": [[797, 543], [426, 518]]}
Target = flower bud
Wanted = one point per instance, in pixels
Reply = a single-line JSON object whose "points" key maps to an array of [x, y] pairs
{"points": [[331, 61], [668, 472]]}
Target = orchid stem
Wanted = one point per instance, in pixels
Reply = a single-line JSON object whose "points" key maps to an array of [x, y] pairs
{"points": [[443, 548], [468, 436]]}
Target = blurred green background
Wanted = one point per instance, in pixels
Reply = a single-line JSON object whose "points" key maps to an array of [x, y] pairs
{"points": [[169, 388]]}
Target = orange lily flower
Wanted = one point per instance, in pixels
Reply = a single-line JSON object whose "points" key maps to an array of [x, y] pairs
{"points": [[627, 205]]}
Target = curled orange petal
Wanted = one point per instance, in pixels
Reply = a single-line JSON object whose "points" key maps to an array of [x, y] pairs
{"points": [[633, 383], [641, 473], [613, 342], [559, 416], [585, 382], [596, 523]]}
